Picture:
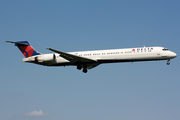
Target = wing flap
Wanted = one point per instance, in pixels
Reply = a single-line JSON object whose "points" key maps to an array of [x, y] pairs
{"points": [[90, 66]]}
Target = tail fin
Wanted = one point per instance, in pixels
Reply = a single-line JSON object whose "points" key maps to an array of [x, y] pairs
{"points": [[26, 49]]}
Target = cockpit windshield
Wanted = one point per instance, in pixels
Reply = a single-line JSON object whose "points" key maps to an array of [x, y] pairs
{"points": [[164, 49]]}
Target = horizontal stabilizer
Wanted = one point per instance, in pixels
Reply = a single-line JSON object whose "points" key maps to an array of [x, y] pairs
{"points": [[18, 43]]}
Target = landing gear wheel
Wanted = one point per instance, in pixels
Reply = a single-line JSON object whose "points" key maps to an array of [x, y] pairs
{"points": [[79, 67], [85, 70], [168, 62]]}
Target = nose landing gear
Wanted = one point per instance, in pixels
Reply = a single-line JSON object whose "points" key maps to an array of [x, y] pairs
{"points": [[168, 63]]}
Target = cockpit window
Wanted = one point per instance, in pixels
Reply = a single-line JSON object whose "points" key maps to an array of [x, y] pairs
{"points": [[164, 49]]}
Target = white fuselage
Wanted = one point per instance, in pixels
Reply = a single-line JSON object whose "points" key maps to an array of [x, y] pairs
{"points": [[106, 56]]}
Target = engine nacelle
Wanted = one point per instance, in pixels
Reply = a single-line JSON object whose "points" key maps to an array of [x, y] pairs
{"points": [[46, 58]]}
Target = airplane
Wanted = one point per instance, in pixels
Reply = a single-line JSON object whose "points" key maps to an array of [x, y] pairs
{"points": [[89, 59]]}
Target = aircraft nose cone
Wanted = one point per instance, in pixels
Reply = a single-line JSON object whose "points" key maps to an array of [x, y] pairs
{"points": [[173, 54]]}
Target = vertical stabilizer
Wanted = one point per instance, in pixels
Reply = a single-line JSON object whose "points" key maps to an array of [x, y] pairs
{"points": [[26, 49]]}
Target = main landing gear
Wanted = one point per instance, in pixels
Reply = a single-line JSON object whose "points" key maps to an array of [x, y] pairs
{"points": [[84, 69], [168, 63], [79, 67]]}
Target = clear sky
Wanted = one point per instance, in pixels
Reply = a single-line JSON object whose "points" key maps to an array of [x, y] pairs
{"points": [[119, 91]]}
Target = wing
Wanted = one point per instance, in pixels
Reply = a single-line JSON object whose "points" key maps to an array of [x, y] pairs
{"points": [[90, 66], [73, 58]]}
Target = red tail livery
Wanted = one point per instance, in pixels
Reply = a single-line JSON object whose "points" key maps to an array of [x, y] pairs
{"points": [[26, 49]]}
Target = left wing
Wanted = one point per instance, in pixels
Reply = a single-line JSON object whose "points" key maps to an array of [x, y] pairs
{"points": [[73, 58]]}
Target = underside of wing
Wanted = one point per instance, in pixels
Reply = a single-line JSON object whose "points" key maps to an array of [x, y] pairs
{"points": [[90, 66]]}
